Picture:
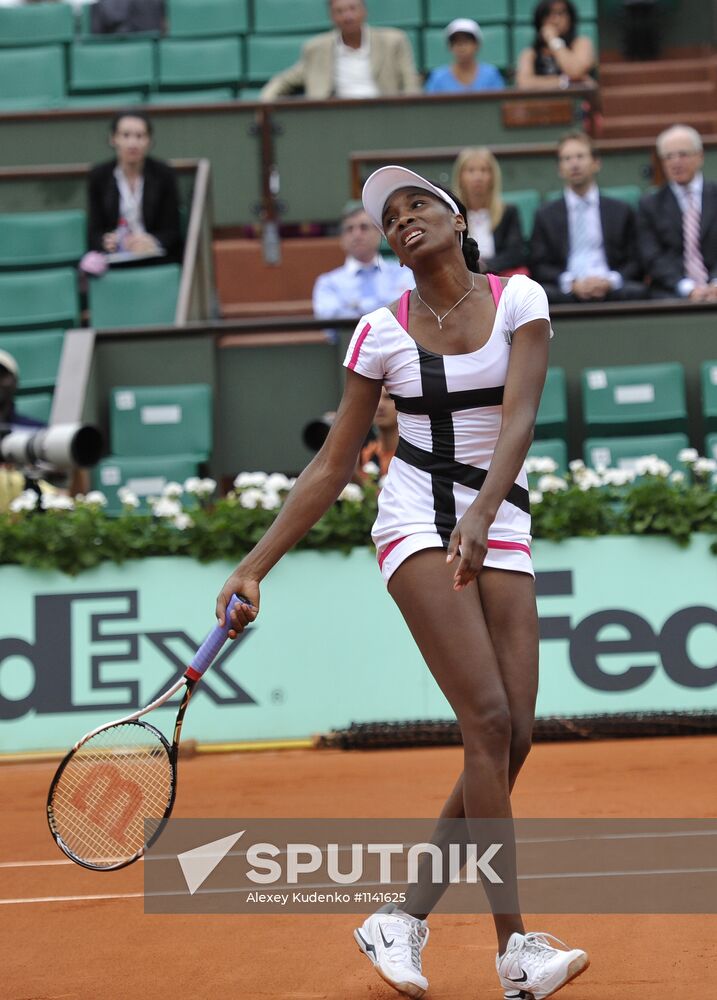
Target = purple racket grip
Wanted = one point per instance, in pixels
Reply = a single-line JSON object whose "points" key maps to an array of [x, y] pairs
{"points": [[204, 656]]}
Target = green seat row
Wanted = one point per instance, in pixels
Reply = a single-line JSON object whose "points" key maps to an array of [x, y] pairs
{"points": [[135, 296], [635, 399], [42, 239], [38, 357], [35, 299], [143, 476]]}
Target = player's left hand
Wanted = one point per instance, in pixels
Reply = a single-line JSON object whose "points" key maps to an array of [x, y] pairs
{"points": [[469, 541]]}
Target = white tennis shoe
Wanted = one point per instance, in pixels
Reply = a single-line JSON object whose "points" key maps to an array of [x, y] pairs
{"points": [[394, 942], [532, 969]]}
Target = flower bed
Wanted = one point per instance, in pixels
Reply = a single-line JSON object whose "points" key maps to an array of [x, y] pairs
{"points": [[73, 536]]}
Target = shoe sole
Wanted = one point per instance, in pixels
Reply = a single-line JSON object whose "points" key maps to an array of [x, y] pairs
{"points": [[575, 969], [407, 989]]}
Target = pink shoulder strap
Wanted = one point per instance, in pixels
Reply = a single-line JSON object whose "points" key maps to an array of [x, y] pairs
{"points": [[402, 314], [496, 287]]}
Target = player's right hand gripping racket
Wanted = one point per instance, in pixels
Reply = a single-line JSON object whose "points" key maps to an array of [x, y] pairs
{"points": [[117, 776]]}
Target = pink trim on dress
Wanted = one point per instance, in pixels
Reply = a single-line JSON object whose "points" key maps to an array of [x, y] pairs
{"points": [[388, 549], [496, 287], [359, 344], [496, 544], [402, 313]]}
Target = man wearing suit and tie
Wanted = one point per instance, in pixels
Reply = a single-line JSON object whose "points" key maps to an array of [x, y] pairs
{"points": [[677, 225], [584, 246]]}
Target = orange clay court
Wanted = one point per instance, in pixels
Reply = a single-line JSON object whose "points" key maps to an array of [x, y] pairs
{"points": [[71, 934]]}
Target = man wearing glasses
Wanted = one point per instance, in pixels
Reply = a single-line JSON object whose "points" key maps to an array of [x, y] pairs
{"points": [[677, 225], [365, 281]]}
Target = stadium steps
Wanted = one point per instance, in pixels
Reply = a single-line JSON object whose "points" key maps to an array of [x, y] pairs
{"points": [[640, 99]]}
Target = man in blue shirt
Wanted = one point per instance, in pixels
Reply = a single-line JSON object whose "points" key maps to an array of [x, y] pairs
{"points": [[365, 281], [465, 74]]}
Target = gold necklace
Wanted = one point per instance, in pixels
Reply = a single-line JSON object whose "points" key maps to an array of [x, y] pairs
{"points": [[441, 318]]}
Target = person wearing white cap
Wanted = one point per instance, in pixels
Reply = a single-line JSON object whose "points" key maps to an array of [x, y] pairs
{"points": [[9, 377], [466, 73], [464, 357]]}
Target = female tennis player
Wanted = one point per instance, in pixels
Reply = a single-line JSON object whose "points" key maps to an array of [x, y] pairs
{"points": [[464, 356]]}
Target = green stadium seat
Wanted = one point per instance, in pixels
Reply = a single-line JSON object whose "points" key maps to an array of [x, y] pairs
{"points": [[249, 93], [161, 420], [36, 405], [30, 239], [135, 296], [494, 49], [36, 24], [634, 399], [281, 17], [212, 95], [34, 76], [523, 34], [45, 298], [554, 448], [199, 61], [441, 12], [143, 476], [523, 10], [111, 66], [395, 13], [622, 453], [38, 356], [711, 446], [630, 193], [202, 18], [527, 203], [552, 418], [268, 55], [121, 100], [709, 394]]}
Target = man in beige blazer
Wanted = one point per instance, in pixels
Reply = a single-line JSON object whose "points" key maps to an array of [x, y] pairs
{"points": [[352, 61]]}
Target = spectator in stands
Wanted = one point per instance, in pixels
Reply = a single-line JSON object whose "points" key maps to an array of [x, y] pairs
{"points": [[9, 376], [584, 246], [465, 74], [381, 449], [365, 281], [352, 61], [558, 55], [494, 225], [133, 199], [677, 225], [124, 17]]}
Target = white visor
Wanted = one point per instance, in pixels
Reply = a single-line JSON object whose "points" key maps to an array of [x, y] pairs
{"points": [[383, 182]]}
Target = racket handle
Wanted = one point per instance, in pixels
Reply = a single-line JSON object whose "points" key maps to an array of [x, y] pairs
{"points": [[206, 653]]}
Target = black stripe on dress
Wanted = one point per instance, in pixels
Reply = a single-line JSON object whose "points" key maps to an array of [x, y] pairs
{"points": [[463, 399], [435, 394]]}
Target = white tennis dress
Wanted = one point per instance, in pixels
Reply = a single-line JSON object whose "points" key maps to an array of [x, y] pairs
{"points": [[449, 416]]}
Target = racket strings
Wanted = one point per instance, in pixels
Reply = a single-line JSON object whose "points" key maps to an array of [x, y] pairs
{"points": [[109, 786]]}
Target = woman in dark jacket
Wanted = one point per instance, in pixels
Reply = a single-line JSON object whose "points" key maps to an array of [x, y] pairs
{"points": [[133, 199], [493, 224]]}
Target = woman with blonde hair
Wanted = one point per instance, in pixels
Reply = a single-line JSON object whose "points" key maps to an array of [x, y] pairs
{"points": [[494, 225]]}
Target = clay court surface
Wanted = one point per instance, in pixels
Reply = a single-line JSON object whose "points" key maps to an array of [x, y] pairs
{"points": [[61, 943]]}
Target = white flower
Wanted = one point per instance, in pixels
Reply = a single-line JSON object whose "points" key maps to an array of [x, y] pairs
{"points": [[576, 466], [251, 498], [535, 496], [127, 497], [96, 498], [270, 500], [651, 465], [704, 465], [551, 484], [26, 501], [172, 490], [371, 469], [276, 481], [182, 521], [617, 477], [588, 479], [542, 465], [57, 501], [199, 487], [677, 477], [165, 506], [250, 479], [687, 455], [351, 492]]}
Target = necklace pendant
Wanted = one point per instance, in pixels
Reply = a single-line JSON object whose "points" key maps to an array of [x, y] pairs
{"points": [[440, 325]]}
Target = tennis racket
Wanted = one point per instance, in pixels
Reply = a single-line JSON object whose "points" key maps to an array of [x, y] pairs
{"points": [[117, 776]]}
